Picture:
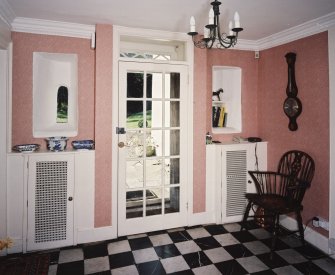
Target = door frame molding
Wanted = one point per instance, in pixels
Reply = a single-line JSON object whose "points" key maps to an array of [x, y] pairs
{"points": [[119, 31]]}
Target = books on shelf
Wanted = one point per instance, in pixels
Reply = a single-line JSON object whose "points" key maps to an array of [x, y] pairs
{"points": [[219, 116]]}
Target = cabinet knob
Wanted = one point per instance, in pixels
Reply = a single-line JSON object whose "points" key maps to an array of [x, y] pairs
{"points": [[249, 181], [121, 144], [70, 198]]}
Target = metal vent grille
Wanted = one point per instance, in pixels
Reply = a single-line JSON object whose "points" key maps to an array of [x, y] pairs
{"points": [[50, 201], [236, 182]]}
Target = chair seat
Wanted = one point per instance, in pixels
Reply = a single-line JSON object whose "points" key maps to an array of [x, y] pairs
{"points": [[274, 203]]}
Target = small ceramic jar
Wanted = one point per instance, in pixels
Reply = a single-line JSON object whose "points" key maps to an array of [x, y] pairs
{"points": [[56, 144]]}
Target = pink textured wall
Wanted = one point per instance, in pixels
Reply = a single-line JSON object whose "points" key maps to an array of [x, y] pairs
{"points": [[103, 125], [313, 133], [24, 45], [199, 130]]}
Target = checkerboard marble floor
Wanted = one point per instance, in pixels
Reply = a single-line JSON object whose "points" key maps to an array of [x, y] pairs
{"points": [[208, 249]]}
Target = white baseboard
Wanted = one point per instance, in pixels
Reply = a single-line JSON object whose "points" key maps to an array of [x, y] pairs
{"points": [[87, 235], [311, 236]]}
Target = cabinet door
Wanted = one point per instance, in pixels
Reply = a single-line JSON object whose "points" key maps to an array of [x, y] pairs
{"points": [[234, 183], [50, 205]]}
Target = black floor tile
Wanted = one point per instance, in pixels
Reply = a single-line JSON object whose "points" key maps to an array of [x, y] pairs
{"points": [[180, 236], [274, 262], [264, 272], [154, 267], [310, 268], [215, 229], [167, 251], [243, 236], [231, 267], [197, 259], [71, 268], [238, 251], [310, 252], [140, 243], [121, 260], [184, 272], [95, 250], [280, 245], [207, 243]]}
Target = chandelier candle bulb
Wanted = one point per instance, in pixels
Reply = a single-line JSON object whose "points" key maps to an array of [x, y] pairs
{"points": [[237, 20], [211, 17], [230, 28], [206, 32], [192, 24]]}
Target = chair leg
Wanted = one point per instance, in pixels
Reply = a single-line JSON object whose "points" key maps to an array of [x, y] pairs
{"points": [[246, 215], [275, 234], [301, 228]]}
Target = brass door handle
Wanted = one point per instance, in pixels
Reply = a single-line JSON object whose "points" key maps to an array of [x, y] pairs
{"points": [[121, 144]]}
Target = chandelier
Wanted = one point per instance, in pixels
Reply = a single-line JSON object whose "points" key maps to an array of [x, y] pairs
{"points": [[212, 33]]}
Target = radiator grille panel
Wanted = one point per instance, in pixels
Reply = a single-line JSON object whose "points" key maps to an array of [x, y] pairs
{"points": [[236, 182], [50, 201]]}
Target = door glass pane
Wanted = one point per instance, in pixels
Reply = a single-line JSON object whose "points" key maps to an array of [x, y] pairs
{"points": [[153, 142], [172, 142], [153, 202], [172, 114], [134, 144], [134, 174], [134, 204], [172, 171], [172, 85], [134, 114], [153, 172], [171, 200], [154, 85], [135, 85], [154, 114]]}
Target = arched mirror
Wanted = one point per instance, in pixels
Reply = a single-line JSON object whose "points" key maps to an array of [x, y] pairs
{"points": [[62, 104]]}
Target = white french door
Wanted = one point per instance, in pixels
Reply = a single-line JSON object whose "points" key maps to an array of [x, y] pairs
{"points": [[152, 144]]}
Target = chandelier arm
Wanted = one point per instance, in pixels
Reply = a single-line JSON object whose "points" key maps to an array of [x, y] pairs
{"points": [[220, 40]]}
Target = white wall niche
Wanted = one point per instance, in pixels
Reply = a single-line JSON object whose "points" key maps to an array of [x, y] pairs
{"points": [[229, 79], [50, 72]]}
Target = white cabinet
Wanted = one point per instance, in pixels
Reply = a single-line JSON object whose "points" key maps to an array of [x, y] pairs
{"points": [[50, 199], [227, 168]]}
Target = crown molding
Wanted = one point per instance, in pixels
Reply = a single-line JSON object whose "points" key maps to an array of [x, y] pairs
{"points": [[309, 28], [39, 26], [48, 27]]}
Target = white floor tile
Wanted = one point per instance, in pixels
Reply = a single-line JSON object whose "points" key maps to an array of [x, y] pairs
{"points": [[70, 255], [208, 270], [252, 264], [95, 265], [291, 256], [145, 255], [118, 247], [217, 255], [162, 239], [127, 270], [226, 239], [197, 233], [187, 247], [174, 264]]}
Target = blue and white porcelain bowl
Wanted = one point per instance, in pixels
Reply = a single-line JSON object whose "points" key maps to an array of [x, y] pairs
{"points": [[56, 144], [83, 144]]}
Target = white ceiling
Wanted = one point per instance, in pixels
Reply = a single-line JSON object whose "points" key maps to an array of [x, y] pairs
{"points": [[260, 18]]}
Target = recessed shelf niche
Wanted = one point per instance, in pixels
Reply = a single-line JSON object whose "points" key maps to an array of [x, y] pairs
{"points": [[55, 94], [228, 79]]}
